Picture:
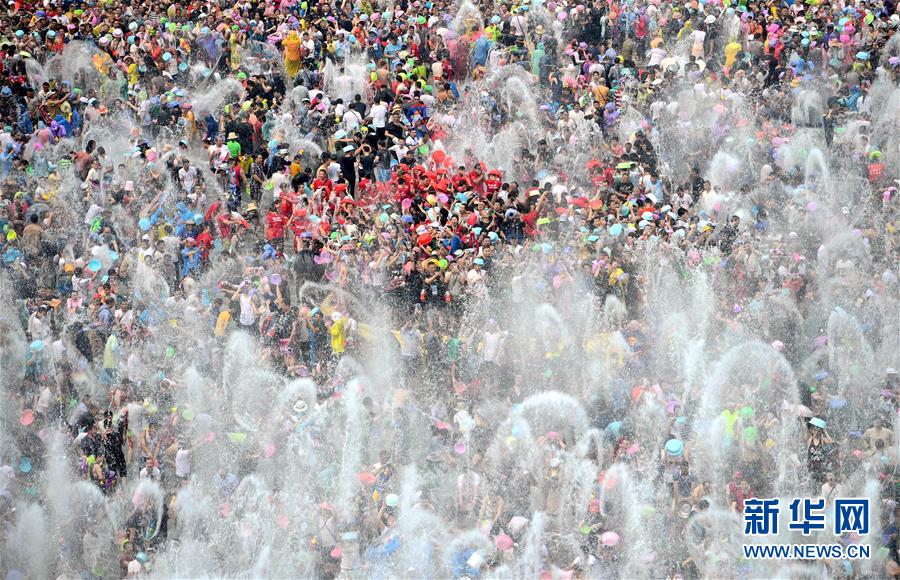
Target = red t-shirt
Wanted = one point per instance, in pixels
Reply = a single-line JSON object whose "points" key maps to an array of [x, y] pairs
{"points": [[213, 210], [204, 242], [876, 170], [530, 220], [299, 225], [461, 182], [275, 224], [739, 496], [326, 183], [477, 181], [493, 184], [224, 227]]}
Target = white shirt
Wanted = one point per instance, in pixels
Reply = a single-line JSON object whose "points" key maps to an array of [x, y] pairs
{"points": [[248, 312], [492, 343], [154, 474], [183, 463], [334, 168], [43, 402], [351, 120], [474, 276], [94, 175], [143, 253], [126, 319], [437, 70], [36, 328], [188, 177], [684, 200], [379, 115], [92, 212], [656, 56], [518, 24], [699, 37], [218, 155], [399, 150], [409, 343]]}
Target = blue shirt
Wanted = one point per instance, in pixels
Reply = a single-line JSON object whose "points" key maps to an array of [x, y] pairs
{"points": [[105, 316], [212, 127], [481, 50], [455, 243], [191, 257]]}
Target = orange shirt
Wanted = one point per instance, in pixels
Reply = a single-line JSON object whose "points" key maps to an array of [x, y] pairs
{"points": [[292, 46]]}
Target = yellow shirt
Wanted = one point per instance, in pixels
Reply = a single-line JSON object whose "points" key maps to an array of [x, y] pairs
{"points": [[731, 418], [133, 74], [222, 322], [615, 275], [102, 61], [296, 168], [731, 50], [601, 95], [66, 109], [191, 120], [338, 337]]}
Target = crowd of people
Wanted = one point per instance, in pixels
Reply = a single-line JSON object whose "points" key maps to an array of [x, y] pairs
{"points": [[466, 230]]}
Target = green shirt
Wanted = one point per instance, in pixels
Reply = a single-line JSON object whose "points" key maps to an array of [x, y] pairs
{"points": [[453, 349], [110, 352], [234, 148]]}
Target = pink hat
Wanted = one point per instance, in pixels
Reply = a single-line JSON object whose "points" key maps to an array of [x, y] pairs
{"points": [[26, 417], [609, 538], [503, 542]]}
